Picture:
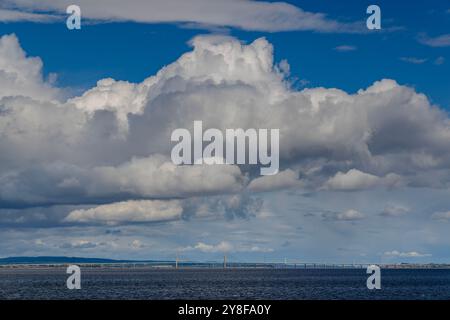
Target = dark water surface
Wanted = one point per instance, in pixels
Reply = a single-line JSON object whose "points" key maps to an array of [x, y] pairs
{"points": [[147, 283]]}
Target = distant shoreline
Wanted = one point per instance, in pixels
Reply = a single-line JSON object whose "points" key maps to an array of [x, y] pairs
{"points": [[49, 261], [203, 266]]}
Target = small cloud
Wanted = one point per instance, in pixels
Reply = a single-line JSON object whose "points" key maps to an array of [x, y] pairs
{"points": [[39, 242], [137, 244], [210, 248], [348, 215], [394, 211], [441, 216], [255, 249], [439, 41], [413, 60], [224, 247], [410, 254], [79, 244], [345, 48], [283, 180], [354, 180], [440, 60]]}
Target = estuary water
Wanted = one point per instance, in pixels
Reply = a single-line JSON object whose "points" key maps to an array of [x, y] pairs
{"points": [[278, 284]]}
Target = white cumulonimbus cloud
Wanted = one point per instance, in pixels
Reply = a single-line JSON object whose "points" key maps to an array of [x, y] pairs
{"points": [[112, 143]]}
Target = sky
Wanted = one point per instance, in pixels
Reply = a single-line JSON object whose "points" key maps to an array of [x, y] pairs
{"points": [[86, 117]]}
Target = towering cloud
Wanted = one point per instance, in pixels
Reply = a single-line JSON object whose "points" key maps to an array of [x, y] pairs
{"points": [[21, 75], [112, 143]]}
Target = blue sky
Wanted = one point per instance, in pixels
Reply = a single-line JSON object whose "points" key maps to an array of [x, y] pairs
{"points": [[400, 191], [133, 51]]}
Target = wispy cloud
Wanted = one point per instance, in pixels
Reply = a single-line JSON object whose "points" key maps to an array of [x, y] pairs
{"points": [[224, 247], [354, 180], [413, 60], [79, 244], [394, 211], [348, 215], [410, 254], [438, 41], [19, 16], [441, 215], [345, 48]]}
